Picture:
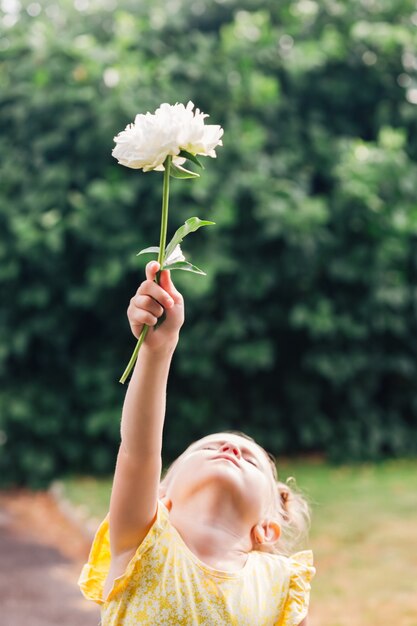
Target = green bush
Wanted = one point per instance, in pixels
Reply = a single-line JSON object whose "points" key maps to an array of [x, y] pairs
{"points": [[303, 333]]}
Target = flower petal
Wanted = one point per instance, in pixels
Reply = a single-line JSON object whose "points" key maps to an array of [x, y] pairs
{"points": [[147, 142]]}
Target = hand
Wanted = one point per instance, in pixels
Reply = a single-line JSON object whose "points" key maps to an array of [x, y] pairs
{"points": [[149, 303]]}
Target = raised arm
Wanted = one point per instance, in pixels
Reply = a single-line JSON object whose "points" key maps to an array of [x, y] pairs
{"points": [[134, 496]]}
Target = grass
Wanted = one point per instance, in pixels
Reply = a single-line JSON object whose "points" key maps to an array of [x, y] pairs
{"points": [[364, 537]]}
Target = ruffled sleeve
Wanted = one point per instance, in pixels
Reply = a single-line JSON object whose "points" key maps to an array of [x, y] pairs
{"points": [[95, 571], [296, 605]]}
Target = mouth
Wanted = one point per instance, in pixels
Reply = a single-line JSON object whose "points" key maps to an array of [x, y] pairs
{"points": [[226, 457]]}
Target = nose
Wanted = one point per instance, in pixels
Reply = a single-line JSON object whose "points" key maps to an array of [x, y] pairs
{"points": [[231, 448]]}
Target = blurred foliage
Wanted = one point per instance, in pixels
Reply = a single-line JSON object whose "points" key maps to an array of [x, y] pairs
{"points": [[304, 332]]}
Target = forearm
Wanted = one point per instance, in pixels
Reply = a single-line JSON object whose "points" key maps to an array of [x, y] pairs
{"points": [[143, 412]]}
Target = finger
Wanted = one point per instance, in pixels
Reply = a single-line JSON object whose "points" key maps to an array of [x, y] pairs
{"points": [[151, 270], [138, 317], [155, 291], [166, 283], [148, 304]]}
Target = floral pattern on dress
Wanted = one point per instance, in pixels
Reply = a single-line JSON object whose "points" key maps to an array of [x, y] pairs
{"points": [[166, 584]]}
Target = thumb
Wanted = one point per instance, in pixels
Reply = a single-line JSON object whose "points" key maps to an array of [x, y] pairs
{"points": [[166, 283], [151, 270]]}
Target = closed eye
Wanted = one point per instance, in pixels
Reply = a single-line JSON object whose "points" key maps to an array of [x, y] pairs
{"points": [[251, 461]]}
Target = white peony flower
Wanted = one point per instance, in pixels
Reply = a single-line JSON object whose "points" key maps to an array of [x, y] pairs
{"points": [[147, 142], [177, 131]]}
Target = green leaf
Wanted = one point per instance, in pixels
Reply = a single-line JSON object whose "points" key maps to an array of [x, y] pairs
{"points": [[176, 171], [191, 157], [151, 250], [190, 225], [184, 265]]}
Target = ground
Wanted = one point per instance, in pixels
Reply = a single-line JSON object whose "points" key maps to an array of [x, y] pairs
{"points": [[41, 556]]}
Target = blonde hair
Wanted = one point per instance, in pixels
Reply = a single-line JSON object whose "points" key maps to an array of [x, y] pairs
{"points": [[294, 518], [287, 506]]}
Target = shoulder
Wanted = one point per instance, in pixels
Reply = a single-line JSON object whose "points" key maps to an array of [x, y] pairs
{"points": [[288, 585], [299, 562], [290, 576]]}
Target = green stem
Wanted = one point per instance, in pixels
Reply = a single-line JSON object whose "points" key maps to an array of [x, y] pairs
{"points": [[164, 216], [161, 259], [134, 356]]}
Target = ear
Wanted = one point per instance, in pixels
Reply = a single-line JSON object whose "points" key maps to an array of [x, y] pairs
{"points": [[266, 532]]}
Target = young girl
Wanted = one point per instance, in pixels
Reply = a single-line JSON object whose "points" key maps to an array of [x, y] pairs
{"points": [[208, 544]]}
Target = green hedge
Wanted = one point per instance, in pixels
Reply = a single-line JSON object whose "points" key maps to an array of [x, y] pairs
{"points": [[304, 332]]}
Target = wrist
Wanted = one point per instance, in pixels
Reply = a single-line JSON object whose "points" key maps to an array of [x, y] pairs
{"points": [[165, 349]]}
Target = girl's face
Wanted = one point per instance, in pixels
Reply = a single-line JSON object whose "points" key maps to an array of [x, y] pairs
{"points": [[225, 463]]}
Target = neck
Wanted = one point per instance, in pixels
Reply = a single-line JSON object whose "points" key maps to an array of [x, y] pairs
{"points": [[213, 529]]}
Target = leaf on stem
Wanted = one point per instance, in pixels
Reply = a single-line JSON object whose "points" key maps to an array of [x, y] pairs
{"points": [[177, 171], [190, 226], [151, 250], [186, 266], [191, 157]]}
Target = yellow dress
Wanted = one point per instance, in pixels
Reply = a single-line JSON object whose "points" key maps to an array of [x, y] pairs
{"points": [[165, 584]]}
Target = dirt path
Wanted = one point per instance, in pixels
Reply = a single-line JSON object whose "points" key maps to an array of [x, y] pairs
{"points": [[41, 554]]}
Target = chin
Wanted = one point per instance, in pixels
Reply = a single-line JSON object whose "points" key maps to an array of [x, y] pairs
{"points": [[225, 474]]}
